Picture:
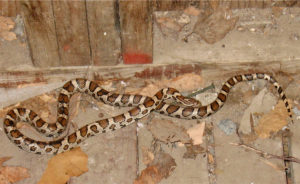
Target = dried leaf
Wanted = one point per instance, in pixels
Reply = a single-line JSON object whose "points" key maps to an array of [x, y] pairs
{"points": [[196, 133], [193, 150], [65, 165], [148, 156], [167, 132], [12, 174], [273, 121], [186, 82], [6, 25], [160, 168], [214, 27], [150, 175]]}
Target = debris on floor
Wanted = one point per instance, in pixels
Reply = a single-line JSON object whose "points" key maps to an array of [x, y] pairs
{"points": [[227, 126], [166, 131], [196, 133], [213, 26], [160, 167], [6, 27], [260, 104], [193, 150], [186, 82], [11, 174], [65, 165], [272, 122], [171, 23]]}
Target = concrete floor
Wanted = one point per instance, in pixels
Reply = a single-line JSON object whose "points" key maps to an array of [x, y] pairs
{"points": [[117, 157]]}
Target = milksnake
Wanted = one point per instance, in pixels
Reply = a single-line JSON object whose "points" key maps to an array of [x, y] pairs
{"points": [[143, 105]]}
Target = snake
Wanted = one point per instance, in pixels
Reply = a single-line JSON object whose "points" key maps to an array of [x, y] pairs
{"points": [[186, 108]]}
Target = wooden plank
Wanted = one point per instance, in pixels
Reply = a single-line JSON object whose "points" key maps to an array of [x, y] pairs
{"points": [[72, 32], [104, 36], [15, 78], [136, 31], [40, 30], [161, 5], [9, 8]]}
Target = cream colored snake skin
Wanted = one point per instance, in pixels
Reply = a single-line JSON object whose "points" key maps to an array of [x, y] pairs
{"points": [[143, 106]]}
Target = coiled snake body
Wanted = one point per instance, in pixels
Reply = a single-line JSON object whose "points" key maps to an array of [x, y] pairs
{"points": [[143, 106]]}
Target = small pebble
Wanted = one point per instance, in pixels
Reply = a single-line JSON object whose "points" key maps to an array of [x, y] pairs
{"points": [[296, 112], [227, 126]]}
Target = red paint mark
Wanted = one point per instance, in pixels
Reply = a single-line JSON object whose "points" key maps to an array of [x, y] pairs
{"points": [[66, 47], [134, 58]]}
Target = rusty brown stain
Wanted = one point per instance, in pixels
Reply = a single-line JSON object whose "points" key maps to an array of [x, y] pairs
{"points": [[168, 71]]}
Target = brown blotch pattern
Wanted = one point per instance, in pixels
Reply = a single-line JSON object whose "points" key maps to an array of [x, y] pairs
{"points": [[160, 106], [214, 106], [135, 111], [149, 103], [52, 126], [187, 111], [231, 82], [172, 108], [83, 131], [48, 150], [32, 115], [15, 133], [180, 98], [286, 104], [239, 78], [66, 147], [12, 114], [283, 97], [222, 97], [94, 128], [17, 141], [119, 118], [81, 83], [69, 86], [225, 88], [171, 91], [56, 144], [93, 86], [125, 98], [27, 140], [39, 123], [62, 121], [63, 110], [21, 111], [8, 122], [202, 111], [145, 111], [42, 131], [129, 120], [159, 95], [72, 138], [112, 98], [62, 98], [112, 127], [136, 99], [32, 148], [279, 90], [102, 92], [103, 123]]}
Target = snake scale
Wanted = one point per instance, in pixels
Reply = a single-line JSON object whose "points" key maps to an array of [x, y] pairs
{"points": [[142, 106]]}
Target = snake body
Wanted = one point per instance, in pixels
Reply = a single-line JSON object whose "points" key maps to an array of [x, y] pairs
{"points": [[142, 106]]}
